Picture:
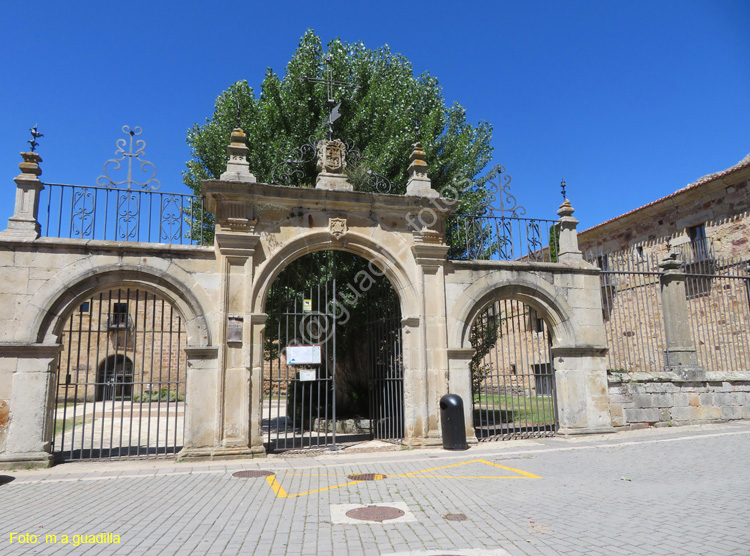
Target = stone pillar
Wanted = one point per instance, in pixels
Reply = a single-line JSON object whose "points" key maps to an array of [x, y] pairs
{"points": [[459, 383], [29, 370], [430, 254], [235, 240], [581, 390], [680, 355], [23, 224], [567, 245]]}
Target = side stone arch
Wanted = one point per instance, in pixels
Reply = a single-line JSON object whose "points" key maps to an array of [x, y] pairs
{"points": [[54, 300], [548, 301], [568, 300]]}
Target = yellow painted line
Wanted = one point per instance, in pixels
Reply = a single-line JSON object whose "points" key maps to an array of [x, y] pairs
{"points": [[323, 489], [525, 473], [314, 474], [473, 477], [277, 488], [436, 468], [281, 493]]}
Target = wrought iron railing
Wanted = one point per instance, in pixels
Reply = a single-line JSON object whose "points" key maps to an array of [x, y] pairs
{"points": [[108, 213], [502, 238]]}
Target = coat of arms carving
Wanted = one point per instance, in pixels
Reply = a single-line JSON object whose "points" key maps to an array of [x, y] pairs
{"points": [[337, 227], [331, 156]]}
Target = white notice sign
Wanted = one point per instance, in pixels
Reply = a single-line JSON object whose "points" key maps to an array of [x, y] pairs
{"points": [[303, 355], [308, 375]]}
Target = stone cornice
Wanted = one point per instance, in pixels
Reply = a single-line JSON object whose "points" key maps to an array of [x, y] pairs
{"points": [[23, 350], [579, 351], [201, 352], [352, 202], [88, 246], [581, 267]]}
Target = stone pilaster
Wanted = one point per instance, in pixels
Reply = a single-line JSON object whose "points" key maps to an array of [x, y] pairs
{"points": [[23, 224], [430, 254], [419, 184], [568, 240], [459, 383], [680, 355], [29, 434], [201, 415]]}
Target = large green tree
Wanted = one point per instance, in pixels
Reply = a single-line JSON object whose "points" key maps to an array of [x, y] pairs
{"points": [[389, 110]]}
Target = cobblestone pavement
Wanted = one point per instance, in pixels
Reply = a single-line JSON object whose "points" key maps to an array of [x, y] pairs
{"points": [[665, 491]]}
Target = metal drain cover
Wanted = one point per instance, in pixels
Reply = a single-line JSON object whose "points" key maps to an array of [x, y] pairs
{"points": [[375, 513], [252, 474], [456, 517], [366, 477]]}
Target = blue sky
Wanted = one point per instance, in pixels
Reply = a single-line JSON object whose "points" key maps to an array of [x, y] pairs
{"points": [[627, 101]]}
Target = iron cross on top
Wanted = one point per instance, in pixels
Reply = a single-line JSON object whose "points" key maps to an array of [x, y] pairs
{"points": [[330, 82]]}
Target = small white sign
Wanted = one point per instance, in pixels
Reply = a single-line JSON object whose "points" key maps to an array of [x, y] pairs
{"points": [[308, 375], [303, 355], [307, 305]]}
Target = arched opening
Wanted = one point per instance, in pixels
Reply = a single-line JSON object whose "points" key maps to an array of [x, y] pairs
{"points": [[513, 382], [114, 379], [120, 388], [333, 364]]}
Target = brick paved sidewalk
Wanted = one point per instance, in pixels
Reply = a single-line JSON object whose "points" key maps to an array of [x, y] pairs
{"points": [[666, 491]]}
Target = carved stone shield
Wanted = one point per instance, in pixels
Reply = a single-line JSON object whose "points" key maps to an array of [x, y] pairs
{"points": [[331, 156]]}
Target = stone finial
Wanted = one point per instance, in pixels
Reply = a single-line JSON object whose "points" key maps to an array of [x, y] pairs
{"points": [[671, 261], [568, 240], [331, 165], [419, 184], [23, 224], [566, 210], [238, 168]]}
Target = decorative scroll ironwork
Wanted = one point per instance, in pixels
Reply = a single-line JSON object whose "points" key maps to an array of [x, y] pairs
{"points": [[170, 223], [151, 183], [128, 205], [507, 207], [82, 212], [292, 168]]}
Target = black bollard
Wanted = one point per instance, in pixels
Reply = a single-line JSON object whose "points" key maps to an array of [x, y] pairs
{"points": [[453, 422]]}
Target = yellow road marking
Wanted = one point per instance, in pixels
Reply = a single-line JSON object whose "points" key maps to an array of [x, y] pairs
{"points": [[277, 488], [520, 474]]}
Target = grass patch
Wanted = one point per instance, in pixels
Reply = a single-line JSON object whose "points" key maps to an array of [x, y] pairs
{"points": [[495, 409]]}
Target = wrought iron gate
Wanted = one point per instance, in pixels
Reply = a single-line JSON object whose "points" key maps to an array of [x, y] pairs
{"points": [[315, 302], [121, 379], [512, 374], [386, 382]]}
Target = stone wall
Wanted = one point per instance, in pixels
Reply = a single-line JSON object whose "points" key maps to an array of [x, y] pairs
{"points": [[721, 202], [666, 398]]}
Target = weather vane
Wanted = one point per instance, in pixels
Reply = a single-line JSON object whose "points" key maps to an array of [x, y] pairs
{"points": [[330, 82], [562, 186], [34, 136]]}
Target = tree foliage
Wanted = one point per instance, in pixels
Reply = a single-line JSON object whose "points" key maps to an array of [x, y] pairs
{"points": [[390, 110]]}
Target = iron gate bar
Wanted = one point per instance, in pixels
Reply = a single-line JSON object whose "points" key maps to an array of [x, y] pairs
{"points": [[511, 399], [116, 378]]}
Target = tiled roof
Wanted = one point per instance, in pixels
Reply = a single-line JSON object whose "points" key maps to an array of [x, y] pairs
{"points": [[745, 162]]}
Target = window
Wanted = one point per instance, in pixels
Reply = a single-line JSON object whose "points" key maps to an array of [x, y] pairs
{"points": [[698, 241], [119, 316]]}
